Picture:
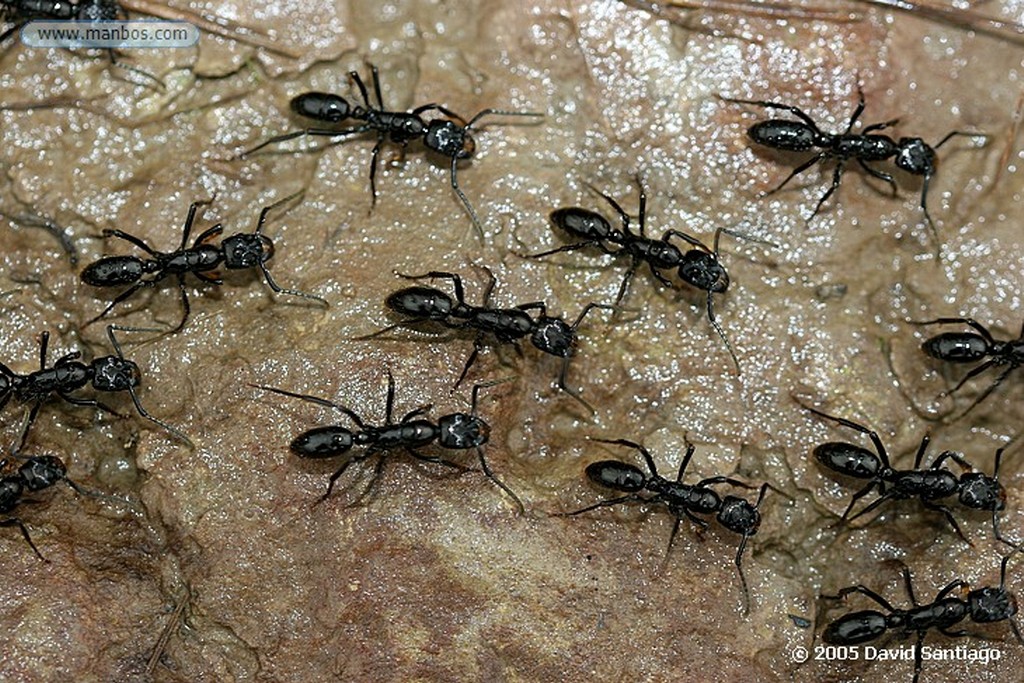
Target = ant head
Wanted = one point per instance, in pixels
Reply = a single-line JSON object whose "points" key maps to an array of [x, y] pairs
{"points": [[981, 492], [582, 223], [420, 303], [42, 471], [554, 336], [915, 156], [739, 516], [619, 476], [848, 459], [321, 106], [957, 347], [991, 604], [113, 373], [247, 250], [322, 442], [10, 491], [449, 139], [461, 430], [702, 270]]}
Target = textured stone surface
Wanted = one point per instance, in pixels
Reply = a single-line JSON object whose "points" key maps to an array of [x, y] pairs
{"points": [[217, 559]]}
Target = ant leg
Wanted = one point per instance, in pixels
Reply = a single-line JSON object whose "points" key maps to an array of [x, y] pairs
{"points": [[14, 521], [491, 112], [992, 387], [710, 481], [186, 309], [925, 440], [376, 86], [661, 278], [625, 280], [603, 504], [645, 453], [879, 126], [88, 402], [623, 216], [460, 294], [44, 342], [315, 399], [28, 425], [798, 170], [497, 482], [489, 288], [374, 158], [889, 495], [133, 239], [121, 297], [918, 657], [949, 518], [879, 448], [924, 207], [316, 132], [953, 134], [291, 292], [534, 306], [857, 111], [799, 113], [436, 107], [337, 474], [878, 174], [477, 345], [836, 177], [437, 460], [687, 238], [416, 413], [865, 591], [378, 469], [570, 247], [587, 309], [389, 401], [462, 197], [970, 322]]}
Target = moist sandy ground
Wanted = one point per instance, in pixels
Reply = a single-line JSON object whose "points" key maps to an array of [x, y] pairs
{"points": [[214, 564]]}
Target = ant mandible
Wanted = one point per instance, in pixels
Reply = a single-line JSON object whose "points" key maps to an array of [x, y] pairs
{"points": [[912, 155], [241, 251], [450, 138], [455, 431]]}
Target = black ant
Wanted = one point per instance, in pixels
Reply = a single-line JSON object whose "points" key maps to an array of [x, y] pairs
{"points": [[68, 374], [981, 606], [551, 335], [456, 431], [35, 474], [967, 347], [450, 138], [699, 267], [912, 155], [689, 500], [20, 12], [238, 252], [974, 490]]}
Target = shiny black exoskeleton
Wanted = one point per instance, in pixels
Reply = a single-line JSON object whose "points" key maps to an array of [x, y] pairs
{"points": [[968, 347], [68, 374], [974, 490], [552, 335], [981, 606], [682, 500], [35, 474], [450, 138], [20, 12], [241, 251], [699, 267], [912, 155], [456, 431]]}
